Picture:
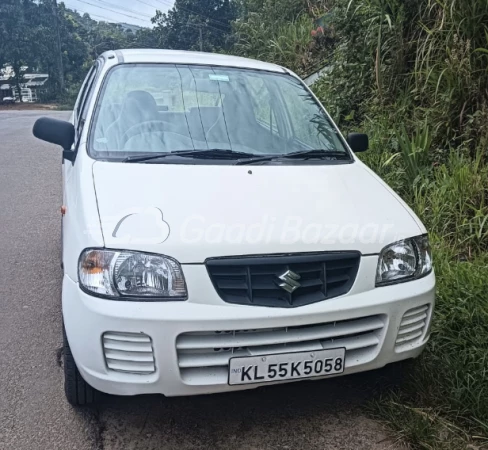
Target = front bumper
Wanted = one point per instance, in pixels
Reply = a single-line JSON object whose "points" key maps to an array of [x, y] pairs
{"points": [[369, 320]]}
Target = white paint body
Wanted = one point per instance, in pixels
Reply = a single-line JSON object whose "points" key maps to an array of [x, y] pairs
{"points": [[205, 209]]}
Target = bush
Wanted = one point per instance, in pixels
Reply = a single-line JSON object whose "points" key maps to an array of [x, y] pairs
{"points": [[444, 403], [431, 54], [287, 43], [413, 75], [67, 100]]}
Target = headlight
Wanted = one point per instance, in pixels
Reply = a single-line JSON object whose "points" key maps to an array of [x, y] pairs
{"points": [[126, 275], [405, 260]]}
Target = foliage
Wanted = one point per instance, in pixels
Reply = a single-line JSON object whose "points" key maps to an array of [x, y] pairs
{"points": [[413, 74], [73, 47], [29, 39], [288, 41], [189, 20], [443, 404], [414, 150], [16, 37], [280, 32], [427, 51]]}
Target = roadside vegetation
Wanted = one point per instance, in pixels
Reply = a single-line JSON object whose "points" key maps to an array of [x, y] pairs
{"points": [[413, 74], [29, 44]]}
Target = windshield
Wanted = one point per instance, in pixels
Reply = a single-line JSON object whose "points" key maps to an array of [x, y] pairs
{"points": [[158, 108]]}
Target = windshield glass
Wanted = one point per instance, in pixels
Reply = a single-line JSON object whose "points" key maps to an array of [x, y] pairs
{"points": [[155, 108]]}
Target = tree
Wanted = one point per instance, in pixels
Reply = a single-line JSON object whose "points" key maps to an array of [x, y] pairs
{"points": [[16, 48], [146, 38], [28, 40], [196, 25]]}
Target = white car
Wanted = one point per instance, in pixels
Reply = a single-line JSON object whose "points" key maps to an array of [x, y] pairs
{"points": [[220, 234]]}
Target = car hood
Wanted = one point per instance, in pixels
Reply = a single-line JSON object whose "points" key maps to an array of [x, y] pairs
{"points": [[195, 212]]}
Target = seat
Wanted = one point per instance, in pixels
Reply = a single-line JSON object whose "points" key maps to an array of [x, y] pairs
{"points": [[236, 124], [137, 107], [201, 120], [108, 114]]}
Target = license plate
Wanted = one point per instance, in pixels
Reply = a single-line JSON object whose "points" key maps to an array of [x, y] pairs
{"points": [[286, 366]]}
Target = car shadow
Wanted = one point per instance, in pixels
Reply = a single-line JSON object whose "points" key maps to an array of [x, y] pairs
{"points": [[324, 414]]}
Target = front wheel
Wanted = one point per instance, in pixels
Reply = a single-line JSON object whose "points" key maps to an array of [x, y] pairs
{"points": [[78, 391]]}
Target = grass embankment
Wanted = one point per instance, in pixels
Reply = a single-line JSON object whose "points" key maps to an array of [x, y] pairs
{"points": [[443, 400], [27, 107], [420, 90], [414, 76]]}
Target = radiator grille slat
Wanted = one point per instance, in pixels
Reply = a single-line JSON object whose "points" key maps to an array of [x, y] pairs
{"points": [[203, 357], [221, 357], [283, 336], [259, 280]]}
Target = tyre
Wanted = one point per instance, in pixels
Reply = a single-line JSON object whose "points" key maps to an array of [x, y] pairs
{"points": [[78, 391]]}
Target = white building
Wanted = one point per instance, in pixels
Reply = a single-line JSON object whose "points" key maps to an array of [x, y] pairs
{"points": [[31, 88]]}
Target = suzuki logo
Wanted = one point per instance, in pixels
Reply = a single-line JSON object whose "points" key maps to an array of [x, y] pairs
{"points": [[290, 281]]}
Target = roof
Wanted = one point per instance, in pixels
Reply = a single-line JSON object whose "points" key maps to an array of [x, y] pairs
{"points": [[30, 76], [184, 57]]}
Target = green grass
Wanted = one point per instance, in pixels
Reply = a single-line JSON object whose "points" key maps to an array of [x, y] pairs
{"points": [[413, 75], [286, 43], [443, 400], [65, 107]]}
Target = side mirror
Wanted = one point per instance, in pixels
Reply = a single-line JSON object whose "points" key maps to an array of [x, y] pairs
{"points": [[57, 132], [358, 142]]}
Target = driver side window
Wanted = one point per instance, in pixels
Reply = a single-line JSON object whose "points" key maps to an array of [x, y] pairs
{"points": [[81, 101]]}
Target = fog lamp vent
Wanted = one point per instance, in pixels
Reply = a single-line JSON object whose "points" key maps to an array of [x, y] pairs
{"points": [[129, 352]]}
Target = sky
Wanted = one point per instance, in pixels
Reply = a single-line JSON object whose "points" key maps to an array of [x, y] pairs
{"points": [[136, 12]]}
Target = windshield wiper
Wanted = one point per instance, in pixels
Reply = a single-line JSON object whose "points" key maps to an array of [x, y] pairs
{"points": [[303, 154], [145, 157], [242, 157], [213, 153], [317, 153]]}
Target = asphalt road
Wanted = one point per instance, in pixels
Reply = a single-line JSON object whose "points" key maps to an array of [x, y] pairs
{"points": [[33, 412]]}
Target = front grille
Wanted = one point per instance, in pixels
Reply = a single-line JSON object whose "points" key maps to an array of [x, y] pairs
{"points": [[129, 352], [256, 280], [203, 357], [412, 327]]}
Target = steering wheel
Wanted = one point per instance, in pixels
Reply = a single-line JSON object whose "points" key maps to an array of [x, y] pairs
{"points": [[151, 126]]}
